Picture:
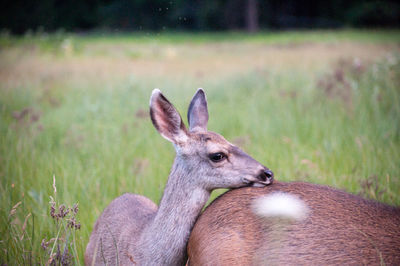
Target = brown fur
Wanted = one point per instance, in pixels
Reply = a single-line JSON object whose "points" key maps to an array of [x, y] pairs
{"points": [[341, 229]]}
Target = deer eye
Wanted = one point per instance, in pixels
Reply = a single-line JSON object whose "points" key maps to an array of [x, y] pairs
{"points": [[217, 157]]}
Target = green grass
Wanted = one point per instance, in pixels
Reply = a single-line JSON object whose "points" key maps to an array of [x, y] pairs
{"points": [[334, 120]]}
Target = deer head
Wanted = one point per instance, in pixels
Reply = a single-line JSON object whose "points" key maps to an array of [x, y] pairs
{"points": [[212, 161]]}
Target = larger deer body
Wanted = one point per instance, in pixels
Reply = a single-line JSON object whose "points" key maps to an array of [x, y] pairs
{"points": [[337, 228], [133, 230]]}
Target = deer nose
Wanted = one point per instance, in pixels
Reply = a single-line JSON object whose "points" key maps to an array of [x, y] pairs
{"points": [[269, 174], [266, 176]]}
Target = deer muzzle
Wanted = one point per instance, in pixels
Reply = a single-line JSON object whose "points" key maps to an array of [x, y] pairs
{"points": [[265, 178]]}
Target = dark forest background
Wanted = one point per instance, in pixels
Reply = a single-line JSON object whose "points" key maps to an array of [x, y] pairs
{"points": [[19, 16]]}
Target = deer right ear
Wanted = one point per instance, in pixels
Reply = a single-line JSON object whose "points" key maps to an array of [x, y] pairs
{"points": [[166, 118], [198, 112]]}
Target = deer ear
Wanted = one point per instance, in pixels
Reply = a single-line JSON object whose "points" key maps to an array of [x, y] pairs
{"points": [[166, 118], [198, 112]]}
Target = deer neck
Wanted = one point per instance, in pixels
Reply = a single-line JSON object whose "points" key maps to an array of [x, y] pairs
{"points": [[164, 240]]}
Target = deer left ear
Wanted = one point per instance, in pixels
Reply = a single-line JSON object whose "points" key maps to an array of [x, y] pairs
{"points": [[166, 119], [198, 112]]}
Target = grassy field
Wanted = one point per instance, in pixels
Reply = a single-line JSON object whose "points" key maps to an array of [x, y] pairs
{"points": [[320, 106]]}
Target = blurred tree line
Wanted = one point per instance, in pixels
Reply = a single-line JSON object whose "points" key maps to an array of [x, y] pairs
{"points": [[18, 16]]}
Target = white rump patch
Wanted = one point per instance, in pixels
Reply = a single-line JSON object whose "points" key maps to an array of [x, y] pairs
{"points": [[281, 205]]}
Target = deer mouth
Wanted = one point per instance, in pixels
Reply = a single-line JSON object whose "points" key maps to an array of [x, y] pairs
{"points": [[256, 184], [259, 184], [265, 178], [253, 182]]}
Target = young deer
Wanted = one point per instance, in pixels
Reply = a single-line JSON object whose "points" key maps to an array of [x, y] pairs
{"points": [[133, 230], [328, 226]]}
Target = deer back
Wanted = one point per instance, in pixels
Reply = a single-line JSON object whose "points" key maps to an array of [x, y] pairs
{"points": [[338, 228]]}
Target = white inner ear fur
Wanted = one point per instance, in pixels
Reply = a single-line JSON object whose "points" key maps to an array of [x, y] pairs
{"points": [[198, 129], [179, 140]]}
